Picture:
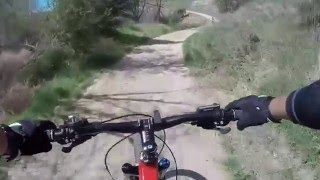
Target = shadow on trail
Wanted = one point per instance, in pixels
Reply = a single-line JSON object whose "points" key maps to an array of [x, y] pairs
{"points": [[100, 98], [140, 40], [155, 92], [185, 173], [154, 65]]}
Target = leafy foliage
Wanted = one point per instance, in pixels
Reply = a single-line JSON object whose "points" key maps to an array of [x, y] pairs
{"points": [[137, 8], [229, 5], [44, 68], [78, 23], [310, 12], [15, 22]]}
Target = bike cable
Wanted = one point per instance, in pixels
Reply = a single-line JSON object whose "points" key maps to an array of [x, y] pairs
{"points": [[163, 140], [126, 137], [106, 156], [174, 158], [121, 140]]}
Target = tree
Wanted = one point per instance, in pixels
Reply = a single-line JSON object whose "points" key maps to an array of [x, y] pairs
{"points": [[5, 11], [158, 13], [78, 23], [14, 22], [137, 8], [310, 13]]}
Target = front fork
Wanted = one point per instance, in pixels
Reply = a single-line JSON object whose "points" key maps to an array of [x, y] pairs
{"points": [[131, 172]]}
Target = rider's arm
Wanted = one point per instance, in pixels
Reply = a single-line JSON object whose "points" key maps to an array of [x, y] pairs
{"points": [[277, 108], [302, 106], [3, 142]]}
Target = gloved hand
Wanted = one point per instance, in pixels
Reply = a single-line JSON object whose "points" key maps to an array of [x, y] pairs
{"points": [[27, 138], [254, 111]]}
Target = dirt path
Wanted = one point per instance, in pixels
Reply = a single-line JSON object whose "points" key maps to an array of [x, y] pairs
{"points": [[151, 77], [154, 77]]}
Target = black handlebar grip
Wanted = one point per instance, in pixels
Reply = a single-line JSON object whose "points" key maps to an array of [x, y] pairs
{"points": [[237, 114], [50, 135]]}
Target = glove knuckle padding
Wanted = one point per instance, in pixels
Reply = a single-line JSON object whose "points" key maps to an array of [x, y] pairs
{"points": [[254, 110], [36, 141]]}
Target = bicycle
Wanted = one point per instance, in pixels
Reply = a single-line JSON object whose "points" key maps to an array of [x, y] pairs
{"points": [[148, 165]]}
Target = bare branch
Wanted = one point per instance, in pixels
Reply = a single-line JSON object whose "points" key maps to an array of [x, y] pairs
{"points": [[29, 46]]}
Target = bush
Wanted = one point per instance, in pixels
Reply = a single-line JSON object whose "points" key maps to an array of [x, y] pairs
{"points": [[16, 24], [173, 17], [218, 44], [10, 64], [229, 5], [17, 99], [79, 23], [56, 92], [51, 63], [309, 12]]}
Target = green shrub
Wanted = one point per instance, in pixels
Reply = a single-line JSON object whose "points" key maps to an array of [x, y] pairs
{"points": [[54, 93], [174, 17], [51, 63], [214, 45], [229, 5], [80, 23], [309, 12], [105, 53]]}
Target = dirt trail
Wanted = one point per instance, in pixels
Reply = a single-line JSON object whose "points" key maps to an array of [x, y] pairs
{"points": [[154, 77], [151, 77]]}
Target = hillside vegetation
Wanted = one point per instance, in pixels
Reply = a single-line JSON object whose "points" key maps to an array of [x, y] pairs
{"points": [[271, 53], [69, 45]]}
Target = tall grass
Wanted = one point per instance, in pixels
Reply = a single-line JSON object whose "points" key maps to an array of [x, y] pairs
{"points": [[285, 59], [295, 55]]}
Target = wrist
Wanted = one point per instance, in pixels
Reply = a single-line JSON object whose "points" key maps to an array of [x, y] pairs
{"points": [[277, 108], [271, 116]]}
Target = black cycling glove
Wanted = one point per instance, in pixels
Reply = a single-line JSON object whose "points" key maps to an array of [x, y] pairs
{"points": [[254, 111], [27, 138]]}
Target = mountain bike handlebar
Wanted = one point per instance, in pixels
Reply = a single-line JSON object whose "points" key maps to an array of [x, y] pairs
{"points": [[77, 130]]}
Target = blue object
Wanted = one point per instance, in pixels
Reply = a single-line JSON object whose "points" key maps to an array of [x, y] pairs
{"points": [[41, 5], [163, 164]]}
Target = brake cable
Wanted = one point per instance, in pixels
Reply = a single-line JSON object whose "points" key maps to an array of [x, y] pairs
{"points": [[126, 137], [106, 156], [164, 140], [174, 158], [121, 140]]}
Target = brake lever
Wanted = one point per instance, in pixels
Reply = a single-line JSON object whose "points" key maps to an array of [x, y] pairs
{"points": [[223, 130], [77, 142]]}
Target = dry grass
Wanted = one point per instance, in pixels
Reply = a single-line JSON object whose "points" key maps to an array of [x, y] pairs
{"points": [[10, 64], [285, 59], [14, 98], [17, 99]]}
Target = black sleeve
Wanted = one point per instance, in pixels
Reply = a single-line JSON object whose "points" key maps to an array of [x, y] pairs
{"points": [[303, 106]]}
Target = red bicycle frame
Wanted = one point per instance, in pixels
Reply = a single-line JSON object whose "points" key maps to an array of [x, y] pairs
{"points": [[148, 171]]}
